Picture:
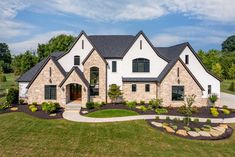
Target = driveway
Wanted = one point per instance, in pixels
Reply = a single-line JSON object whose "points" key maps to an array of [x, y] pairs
{"points": [[227, 99]]}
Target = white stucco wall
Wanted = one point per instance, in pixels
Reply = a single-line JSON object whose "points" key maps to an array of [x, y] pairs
{"points": [[124, 66], [67, 61], [22, 89], [201, 74]]}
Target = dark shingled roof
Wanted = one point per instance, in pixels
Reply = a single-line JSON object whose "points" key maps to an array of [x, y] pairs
{"points": [[111, 46], [28, 76]]}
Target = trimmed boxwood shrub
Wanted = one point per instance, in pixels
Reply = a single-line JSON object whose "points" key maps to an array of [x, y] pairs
{"points": [[34, 109], [226, 111], [161, 111], [49, 107], [90, 105], [131, 104], [12, 96], [143, 108], [214, 112]]}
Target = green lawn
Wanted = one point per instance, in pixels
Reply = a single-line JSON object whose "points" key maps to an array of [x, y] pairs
{"points": [[111, 113], [23, 135], [11, 82], [225, 85]]}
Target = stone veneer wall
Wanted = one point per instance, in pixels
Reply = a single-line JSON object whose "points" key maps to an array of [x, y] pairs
{"points": [[95, 60], [140, 93], [190, 87], [74, 78], [36, 90]]}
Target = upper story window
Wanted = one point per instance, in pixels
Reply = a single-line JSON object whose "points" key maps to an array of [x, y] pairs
{"points": [[76, 60], [114, 66], [140, 65], [186, 59], [82, 44], [141, 44], [209, 89]]}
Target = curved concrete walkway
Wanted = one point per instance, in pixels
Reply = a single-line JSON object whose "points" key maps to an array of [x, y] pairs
{"points": [[74, 115]]}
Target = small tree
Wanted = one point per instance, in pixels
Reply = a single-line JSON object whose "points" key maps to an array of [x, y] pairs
{"points": [[213, 98], [12, 96], [114, 92], [188, 102]]}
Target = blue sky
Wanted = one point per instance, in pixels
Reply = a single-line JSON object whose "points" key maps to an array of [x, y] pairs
{"points": [[205, 24]]}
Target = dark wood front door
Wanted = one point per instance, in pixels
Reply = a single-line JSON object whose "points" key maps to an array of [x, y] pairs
{"points": [[75, 92]]}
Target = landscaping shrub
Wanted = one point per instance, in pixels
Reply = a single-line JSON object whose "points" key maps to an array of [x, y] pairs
{"points": [[3, 78], [21, 101], [103, 103], [90, 105], [4, 106], [157, 118], [214, 112], [155, 103], [124, 102], [161, 111], [165, 124], [182, 109], [168, 118], [194, 109], [226, 111], [225, 107], [213, 98], [187, 128], [143, 108], [97, 105], [49, 107], [131, 104], [174, 127], [31, 106], [233, 110], [57, 105], [208, 121], [197, 129], [34, 109], [35, 103], [12, 96], [142, 102], [232, 87], [196, 120]]}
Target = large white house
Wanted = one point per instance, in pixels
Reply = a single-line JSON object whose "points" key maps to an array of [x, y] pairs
{"points": [[143, 71]]}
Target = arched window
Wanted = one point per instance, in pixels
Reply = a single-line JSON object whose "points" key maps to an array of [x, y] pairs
{"points": [[140, 65], [94, 81]]}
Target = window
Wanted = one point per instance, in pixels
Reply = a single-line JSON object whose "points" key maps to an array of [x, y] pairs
{"points": [[50, 71], [147, 87], [76, 60], [114, 66], [140, 65], [50, 92], [209, 89], [186, 59], [177, 93], [141, 44], [94, 81], [178, 72], [133, 87], [82, 44]]}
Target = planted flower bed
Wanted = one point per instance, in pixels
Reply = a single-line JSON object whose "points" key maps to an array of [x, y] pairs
{"points": [[195, 130]]}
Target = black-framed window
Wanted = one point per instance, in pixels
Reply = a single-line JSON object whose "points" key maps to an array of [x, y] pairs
{"points": [[114, 66], [147, 87], [50, 71], [82, 44], [177, 93], [141, 44], [76, 60], [140, 65], [209, 89], [178, 72], [94, 81], [186, 59], [133, 87], [50, 92]]}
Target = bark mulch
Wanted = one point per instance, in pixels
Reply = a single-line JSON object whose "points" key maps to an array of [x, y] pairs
{"points": [[192, 125], [39, 113]]}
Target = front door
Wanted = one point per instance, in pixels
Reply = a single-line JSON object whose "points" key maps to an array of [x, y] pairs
{"points": [[75, 92]]}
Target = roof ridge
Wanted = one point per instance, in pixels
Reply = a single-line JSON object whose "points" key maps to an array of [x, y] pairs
{"points": [[184, 43], [110, 35]]}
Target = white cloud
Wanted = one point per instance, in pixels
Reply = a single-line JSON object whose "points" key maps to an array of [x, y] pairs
{"points": [[32, 43]]}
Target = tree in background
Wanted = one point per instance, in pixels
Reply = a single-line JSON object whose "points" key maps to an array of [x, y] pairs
{"points": [[24, 62], [231, 71], [59, 43], [229, 44], [217, 70], [5, 58]]}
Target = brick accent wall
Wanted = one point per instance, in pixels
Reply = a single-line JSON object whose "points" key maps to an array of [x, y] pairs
{"points": [[140, 93], [190, 87], [36, 90], [95, 60]]}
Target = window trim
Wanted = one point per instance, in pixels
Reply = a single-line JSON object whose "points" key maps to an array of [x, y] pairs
{"points": [[50, 90], [76, 57], [177, 93], [147, 87], [114, 64], [136, 65], [133, 87]]}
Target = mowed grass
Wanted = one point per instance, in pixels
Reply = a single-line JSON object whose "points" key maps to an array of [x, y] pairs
{"points": [[4, 86], [23, 135], [225, 85], [111, 113]]}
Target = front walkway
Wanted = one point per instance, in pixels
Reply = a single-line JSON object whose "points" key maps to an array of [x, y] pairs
{"points": [[74, 115]]}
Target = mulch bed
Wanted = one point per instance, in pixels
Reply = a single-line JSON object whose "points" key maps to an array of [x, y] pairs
{"points": [[203, 112], [39, 113], [180, 125]]}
